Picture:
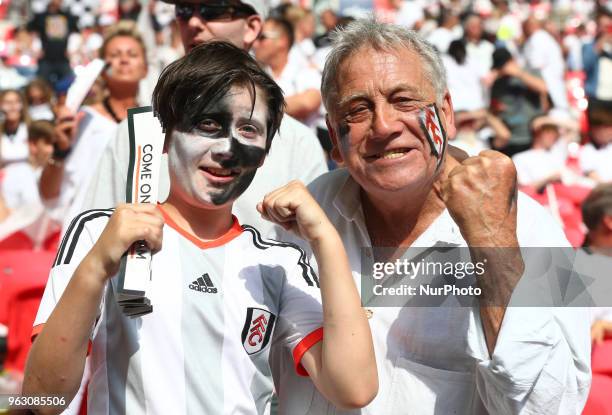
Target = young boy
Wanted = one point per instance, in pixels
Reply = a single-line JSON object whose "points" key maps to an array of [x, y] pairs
{"points": [[222, 295]]}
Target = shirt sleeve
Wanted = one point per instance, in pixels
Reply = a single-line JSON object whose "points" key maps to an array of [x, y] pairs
{"points": [[300, 324], [541, 361], [77, 242]]}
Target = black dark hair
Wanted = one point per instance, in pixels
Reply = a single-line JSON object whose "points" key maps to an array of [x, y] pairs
{"points": [[457, 50], [189, 85], [285, 26]]}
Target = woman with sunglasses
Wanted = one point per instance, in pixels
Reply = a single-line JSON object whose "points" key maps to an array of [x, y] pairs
{"points": [[82, 138]]}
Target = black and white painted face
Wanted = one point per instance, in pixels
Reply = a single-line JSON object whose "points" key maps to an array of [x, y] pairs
{"points": [[213, 160]]}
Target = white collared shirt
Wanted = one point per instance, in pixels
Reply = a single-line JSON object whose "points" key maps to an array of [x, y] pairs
{"points": [[434, 360]]}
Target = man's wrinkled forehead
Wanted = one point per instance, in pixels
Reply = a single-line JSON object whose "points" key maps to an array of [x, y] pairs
{"points": [[370, 72]]}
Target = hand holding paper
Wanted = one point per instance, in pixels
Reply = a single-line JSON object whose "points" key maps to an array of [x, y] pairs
{"points": [[128, 224]]}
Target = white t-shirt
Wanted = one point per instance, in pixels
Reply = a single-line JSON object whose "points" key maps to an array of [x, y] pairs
{"points": [[297, 78], [434, 360], [20, 185], [597, 161], [218, 309], [464, 84], [14, 148], [537, 164], [481, 54], [295, 154], [543, 53]]}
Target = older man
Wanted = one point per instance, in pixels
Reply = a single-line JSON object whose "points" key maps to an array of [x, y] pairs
{"points": [[389, 114]]}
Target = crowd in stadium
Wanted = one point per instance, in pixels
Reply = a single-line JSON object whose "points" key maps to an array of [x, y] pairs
{"points": [[530, 79]]}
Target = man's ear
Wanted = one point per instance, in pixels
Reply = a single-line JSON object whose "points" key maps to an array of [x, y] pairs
{"points": [[335, 153], [253, 28], [449, 116]]}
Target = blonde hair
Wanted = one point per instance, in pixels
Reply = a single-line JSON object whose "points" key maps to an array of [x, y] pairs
{"points": [[122, 28]]}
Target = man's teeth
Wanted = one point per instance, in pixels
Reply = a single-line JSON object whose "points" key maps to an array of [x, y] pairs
{"points": [[393, 154]]}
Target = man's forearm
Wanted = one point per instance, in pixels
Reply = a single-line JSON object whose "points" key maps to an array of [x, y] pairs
{"points": [[56, 361], [504, 267]]}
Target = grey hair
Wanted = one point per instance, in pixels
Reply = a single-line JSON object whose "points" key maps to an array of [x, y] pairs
{"points": [[382, 37]]}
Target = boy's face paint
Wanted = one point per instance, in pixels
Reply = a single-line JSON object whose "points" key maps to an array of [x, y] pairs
{"points": [[434, 131], [213, 160]]}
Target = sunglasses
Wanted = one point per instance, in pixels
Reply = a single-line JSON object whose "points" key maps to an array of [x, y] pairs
{"points": [[184, 11]]}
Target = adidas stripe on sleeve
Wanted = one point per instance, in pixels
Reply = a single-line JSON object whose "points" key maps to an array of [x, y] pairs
{"points": [[300, 317], [77, 242]]}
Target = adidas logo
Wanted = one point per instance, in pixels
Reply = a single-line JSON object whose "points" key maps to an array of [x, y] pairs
{"points": [[203, 284]]}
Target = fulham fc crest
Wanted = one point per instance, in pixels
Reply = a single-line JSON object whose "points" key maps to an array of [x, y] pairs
{"points": [[257, 329]]}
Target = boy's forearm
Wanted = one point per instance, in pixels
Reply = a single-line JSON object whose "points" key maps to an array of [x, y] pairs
{"points": [[347, 355], [56, 361]]}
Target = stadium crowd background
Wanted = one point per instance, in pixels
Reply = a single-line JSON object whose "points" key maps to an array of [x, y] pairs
{"points": [[530, 79]]}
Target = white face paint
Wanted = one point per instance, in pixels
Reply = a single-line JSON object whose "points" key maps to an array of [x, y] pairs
{"points": [[215, 162]]}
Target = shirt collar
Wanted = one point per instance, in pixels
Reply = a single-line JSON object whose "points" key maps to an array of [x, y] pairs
{"points": [[443, 230]]}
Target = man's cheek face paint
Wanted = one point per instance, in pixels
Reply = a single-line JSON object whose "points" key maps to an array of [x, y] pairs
{"points": [[431, 125]]}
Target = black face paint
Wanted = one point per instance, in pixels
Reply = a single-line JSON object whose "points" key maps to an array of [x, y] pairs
{"points": [[343, 131], [244, 157]]}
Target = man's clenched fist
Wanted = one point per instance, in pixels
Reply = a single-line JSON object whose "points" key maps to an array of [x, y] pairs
{"points": [[480, 195]]}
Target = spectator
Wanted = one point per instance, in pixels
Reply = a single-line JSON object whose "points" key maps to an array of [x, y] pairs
{"points": [[24, 50], [597, 62], [14, 127], [477, 129], [9, 76], [543, 56], [541, 164], [20, 182], [479, 50], [516, 97], [299, 84], [81, 144], [448, 30], [220, 112], [399, 189], [53, 27], [597, 216], [464, 78], [303, 48], [596, 156], [39, 95], [329, 20], [295, 156]]}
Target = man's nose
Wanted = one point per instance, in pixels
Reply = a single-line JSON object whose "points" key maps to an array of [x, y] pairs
{"points": [[195, 22], [386, 123]]}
